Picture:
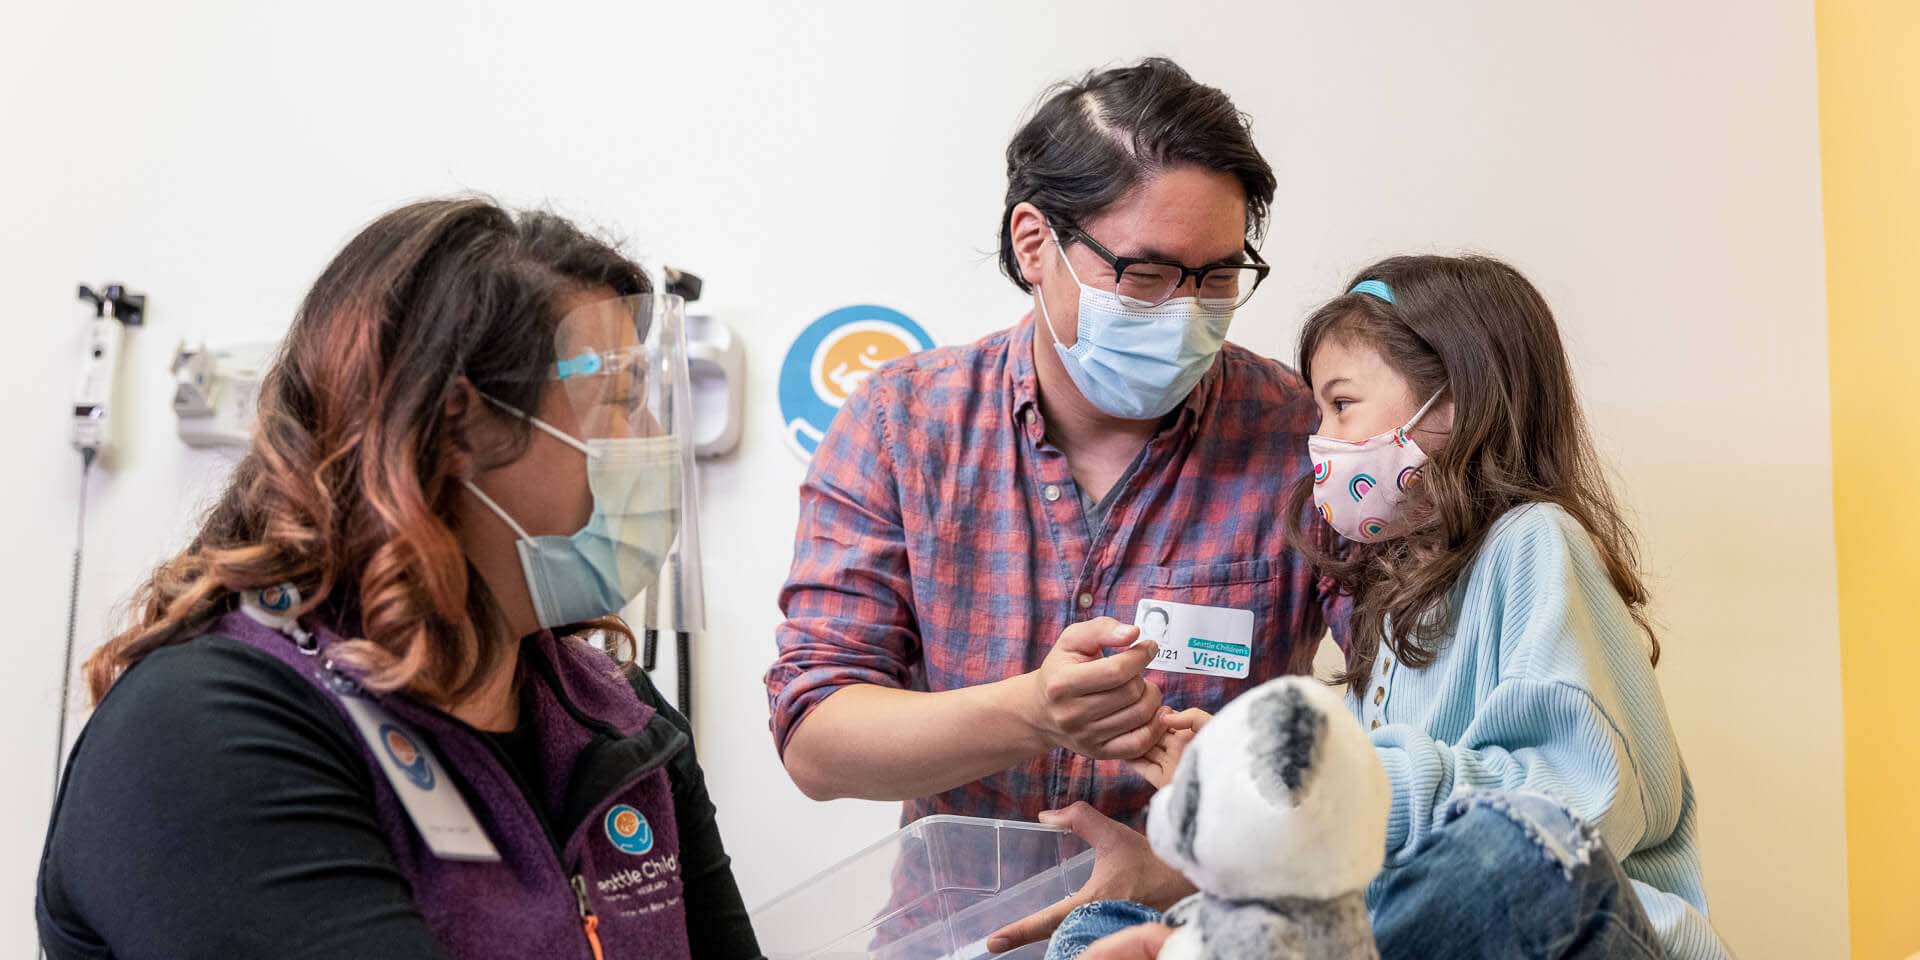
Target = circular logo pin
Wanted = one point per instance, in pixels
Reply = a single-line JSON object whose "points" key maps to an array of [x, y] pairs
{"points": [[628, 830], [831, 358], [408, 755], [278, 599]]}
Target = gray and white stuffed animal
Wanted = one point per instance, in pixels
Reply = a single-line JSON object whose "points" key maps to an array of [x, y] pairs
{"points": [[1277, 812]]}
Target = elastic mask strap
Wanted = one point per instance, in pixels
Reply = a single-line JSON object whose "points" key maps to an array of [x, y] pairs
{"points": [[1044, 313], [518, 530], [1424, 408], [548, 428], [1062, 249]]}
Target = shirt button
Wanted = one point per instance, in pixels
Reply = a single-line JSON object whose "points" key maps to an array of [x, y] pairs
{"points": [[1379, 694], [1086, 600], [1052, 493]]}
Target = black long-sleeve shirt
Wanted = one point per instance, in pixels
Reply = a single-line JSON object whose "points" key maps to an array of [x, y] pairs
{"points": [[216, 805]]}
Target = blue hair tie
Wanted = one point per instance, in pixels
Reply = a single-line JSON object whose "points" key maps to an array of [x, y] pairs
{"points": [[1378, 288]]}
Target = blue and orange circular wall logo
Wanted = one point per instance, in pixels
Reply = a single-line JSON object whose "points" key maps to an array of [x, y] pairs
{"points": [[628, 830], [831, 358], [411, 759]]}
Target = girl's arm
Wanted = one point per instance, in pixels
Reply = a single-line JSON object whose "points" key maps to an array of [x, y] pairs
{"points": [[1574, 710], [1545, 736]]}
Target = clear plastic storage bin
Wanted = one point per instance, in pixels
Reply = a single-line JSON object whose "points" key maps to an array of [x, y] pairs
{"points": [[933, 891]]}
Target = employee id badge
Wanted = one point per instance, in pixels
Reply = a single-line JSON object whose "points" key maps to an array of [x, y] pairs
{"points": [[431, 800], [1215, 641]]}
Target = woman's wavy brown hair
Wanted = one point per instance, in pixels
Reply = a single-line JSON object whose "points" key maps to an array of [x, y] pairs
{"points": [[348, 489], [1476, 327]]}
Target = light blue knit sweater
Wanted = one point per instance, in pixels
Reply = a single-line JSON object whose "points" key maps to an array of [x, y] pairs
{"points": [[1544, 684]]}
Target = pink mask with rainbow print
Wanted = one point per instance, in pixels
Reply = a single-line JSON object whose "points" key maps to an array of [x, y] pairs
{"points": [[1360, 487]]}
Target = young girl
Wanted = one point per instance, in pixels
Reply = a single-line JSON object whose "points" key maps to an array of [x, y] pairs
{"points": [[1499, 637]]}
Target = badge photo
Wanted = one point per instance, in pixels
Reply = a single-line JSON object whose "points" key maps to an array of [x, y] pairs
{"points": [[1213, 641]]}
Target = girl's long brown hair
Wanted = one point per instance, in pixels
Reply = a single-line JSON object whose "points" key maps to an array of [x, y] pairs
{"points": [[347, 491], [1476, 327]]}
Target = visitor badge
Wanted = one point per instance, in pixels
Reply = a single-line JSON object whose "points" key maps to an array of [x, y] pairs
{"points": [[431, 800], [1215, 641]]}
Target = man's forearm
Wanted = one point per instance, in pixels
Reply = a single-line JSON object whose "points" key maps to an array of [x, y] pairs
{"points": [[880, 743]]}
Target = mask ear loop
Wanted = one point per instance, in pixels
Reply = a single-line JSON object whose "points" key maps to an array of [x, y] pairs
{"points": [[1404, 434], [557, 434], [1422, 412], [1062, 249], [1044, 313], [518, 530], [545, 427]]}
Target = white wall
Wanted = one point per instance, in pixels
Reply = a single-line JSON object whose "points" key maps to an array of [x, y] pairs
{"points": [[1651, 165]]}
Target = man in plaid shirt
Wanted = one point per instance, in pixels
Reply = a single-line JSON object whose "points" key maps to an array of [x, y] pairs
{"points": [[976, 517]]}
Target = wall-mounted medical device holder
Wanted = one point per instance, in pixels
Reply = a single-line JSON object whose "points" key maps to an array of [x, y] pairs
{"points": [[216, 391], [717, 372]]}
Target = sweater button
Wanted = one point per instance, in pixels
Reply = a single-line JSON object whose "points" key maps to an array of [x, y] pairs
{"points": [[1376, 723], [1379, 694]]}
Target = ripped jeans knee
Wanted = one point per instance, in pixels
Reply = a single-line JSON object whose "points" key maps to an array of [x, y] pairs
{"points": [[1555, 831], [1509, 874]]}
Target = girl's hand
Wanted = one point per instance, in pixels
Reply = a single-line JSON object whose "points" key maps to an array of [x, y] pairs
{"points": [[1158, 764], [1192, 718], [1142, 942]]}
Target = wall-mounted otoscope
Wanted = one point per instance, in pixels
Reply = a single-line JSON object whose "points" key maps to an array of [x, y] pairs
{"points": [[114, 310]]}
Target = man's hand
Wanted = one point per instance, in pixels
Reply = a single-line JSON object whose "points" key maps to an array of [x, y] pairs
{"points": [[1124, 868], [1142, 942], [1158, 765], [1097, 706]]}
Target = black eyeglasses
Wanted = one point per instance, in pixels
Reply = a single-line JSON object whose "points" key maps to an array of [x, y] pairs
{"points": [[1147, 282]]}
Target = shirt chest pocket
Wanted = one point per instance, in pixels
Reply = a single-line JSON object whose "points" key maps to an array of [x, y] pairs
{"points": [[1250, 585]]}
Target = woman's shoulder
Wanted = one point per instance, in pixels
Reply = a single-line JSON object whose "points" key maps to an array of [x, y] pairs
{"points": [[199, 701], [643, 687], [212, 773], [209, 670]]}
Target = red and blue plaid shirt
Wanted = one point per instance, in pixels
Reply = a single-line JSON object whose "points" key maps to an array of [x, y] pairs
{"points": [[942, 544]]}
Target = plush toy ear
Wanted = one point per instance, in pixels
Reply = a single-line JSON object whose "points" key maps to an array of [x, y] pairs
{"points": [[1287, 732]]}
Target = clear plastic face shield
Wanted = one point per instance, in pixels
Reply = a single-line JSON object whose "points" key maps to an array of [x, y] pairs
{"points": [[622, 364], [620, 368]]}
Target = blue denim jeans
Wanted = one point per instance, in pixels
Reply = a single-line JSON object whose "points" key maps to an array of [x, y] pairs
{"points": [[1505, 875], [1095, 920]]}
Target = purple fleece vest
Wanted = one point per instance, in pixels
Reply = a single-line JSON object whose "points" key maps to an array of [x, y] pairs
{"points": [[526, 905]]}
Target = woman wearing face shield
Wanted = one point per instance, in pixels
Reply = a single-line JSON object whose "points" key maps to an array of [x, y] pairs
{"points": [[366, 712]]}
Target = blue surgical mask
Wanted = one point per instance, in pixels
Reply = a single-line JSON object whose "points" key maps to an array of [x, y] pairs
{"points": [[596, 572], [1137, 362]]}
